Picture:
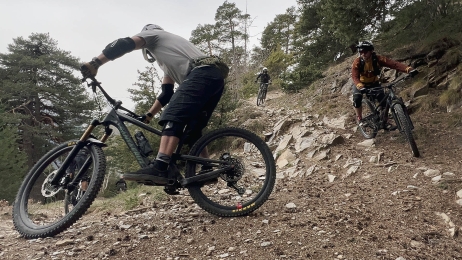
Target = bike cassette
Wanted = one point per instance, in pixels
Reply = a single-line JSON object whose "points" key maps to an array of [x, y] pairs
{"points": [[236, 168]]}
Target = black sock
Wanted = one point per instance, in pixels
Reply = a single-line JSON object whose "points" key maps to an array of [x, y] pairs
{"points": [[162, 161]]}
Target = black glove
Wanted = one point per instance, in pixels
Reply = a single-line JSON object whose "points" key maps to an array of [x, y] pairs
{"points": [[146, 118], [90, 69], [413, 72]]}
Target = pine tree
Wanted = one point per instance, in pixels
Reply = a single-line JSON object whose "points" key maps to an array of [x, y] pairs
{"points": [[38, 83], [12, 160]]}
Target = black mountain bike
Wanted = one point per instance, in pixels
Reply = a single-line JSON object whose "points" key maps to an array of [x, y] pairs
{"points": [[49, 200], [262, 93], [376, 118]]}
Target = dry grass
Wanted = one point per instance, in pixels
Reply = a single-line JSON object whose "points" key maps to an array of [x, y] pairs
{"points": [[127, 200], [453, 94], [407, 91], [455, 120], [427, 103]]}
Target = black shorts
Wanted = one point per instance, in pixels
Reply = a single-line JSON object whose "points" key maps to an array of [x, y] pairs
{"points": [[195, 99], [358, 96]]}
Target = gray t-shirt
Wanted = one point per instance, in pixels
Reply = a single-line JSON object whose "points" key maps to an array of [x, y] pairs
{"points": [[172, 52]]}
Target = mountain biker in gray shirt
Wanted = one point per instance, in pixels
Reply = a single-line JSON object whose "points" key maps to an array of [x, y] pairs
{"points": [[201, 83]]}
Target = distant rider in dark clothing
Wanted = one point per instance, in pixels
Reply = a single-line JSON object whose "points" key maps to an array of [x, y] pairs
{"points": [[264, 76]]}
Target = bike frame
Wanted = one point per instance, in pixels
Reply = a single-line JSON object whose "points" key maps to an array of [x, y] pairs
{"points": [[391, 100], [264, 85], [118, 119]]}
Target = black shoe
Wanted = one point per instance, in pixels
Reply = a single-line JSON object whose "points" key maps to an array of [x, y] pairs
{"points": [[206, 169], [148, 174]]}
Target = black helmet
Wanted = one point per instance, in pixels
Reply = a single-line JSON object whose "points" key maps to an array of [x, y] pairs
{"points": [[365, 46]]}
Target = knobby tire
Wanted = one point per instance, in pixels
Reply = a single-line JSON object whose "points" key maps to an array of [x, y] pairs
{"points": [[402, 120], [258, 172], [23, 218], [369, 129], [260, 95]]}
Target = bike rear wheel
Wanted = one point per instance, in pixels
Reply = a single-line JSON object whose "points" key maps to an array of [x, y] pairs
{"points": [[40, 208], [249, 182], [402, 121], [368, 126]]}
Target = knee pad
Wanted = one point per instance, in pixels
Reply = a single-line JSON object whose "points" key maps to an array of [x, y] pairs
{"points": [[173, 129], [166, 94], [357, 99]]}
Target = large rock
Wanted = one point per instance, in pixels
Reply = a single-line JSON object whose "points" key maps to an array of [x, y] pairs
{"points": [[346, 89], [304, 143], [422, 91], [282, 144], [367, 143], [332, 139], [335, 122], [285, 158]]}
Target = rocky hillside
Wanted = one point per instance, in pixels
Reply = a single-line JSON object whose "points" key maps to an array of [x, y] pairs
{"points": [[337, 196]]}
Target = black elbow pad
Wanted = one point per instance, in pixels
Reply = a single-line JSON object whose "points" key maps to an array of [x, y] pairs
{"points": [[166, 95], [119, 47]]}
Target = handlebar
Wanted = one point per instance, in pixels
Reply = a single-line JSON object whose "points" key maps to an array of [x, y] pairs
{"points": [[387, 85], [117, 104]]}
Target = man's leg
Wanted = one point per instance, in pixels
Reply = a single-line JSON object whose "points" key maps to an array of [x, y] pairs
{"points": [[167, 146], [359, 112], [357, 102], [186, 103], [84, 185]]}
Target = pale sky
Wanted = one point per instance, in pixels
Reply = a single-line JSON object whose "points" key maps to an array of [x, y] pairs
{"points": [[85, 27]]}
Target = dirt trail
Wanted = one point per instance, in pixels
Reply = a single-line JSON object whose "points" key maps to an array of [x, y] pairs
{"points": [[393, 208]]}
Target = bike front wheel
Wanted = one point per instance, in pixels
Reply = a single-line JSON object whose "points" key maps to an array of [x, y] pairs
{"points": [[265, 90], [42, 209], [402, 120], [249, 181], [368, 125], [260, 96]]}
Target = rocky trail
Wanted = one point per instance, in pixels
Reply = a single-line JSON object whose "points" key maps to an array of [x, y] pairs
{"points": [[337, 196]]}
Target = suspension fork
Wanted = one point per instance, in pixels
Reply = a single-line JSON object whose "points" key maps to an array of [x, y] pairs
{"points": [[88, 161], [70, 157]]}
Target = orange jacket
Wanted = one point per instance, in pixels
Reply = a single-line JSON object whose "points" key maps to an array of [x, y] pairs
{"points": [[367, 76]]}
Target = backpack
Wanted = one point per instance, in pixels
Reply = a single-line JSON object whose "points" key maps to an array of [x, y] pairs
{"points": [[375, 64]]}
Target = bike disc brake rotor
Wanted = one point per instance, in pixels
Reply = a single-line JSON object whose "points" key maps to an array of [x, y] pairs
{"points": [[49, 190], [236, 170]]}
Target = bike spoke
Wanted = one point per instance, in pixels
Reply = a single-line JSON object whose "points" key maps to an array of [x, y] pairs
{"points": [[42, 209], [250, 177]]}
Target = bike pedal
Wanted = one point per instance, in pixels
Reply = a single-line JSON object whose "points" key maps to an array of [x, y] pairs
{"points": [[171, 191]]}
